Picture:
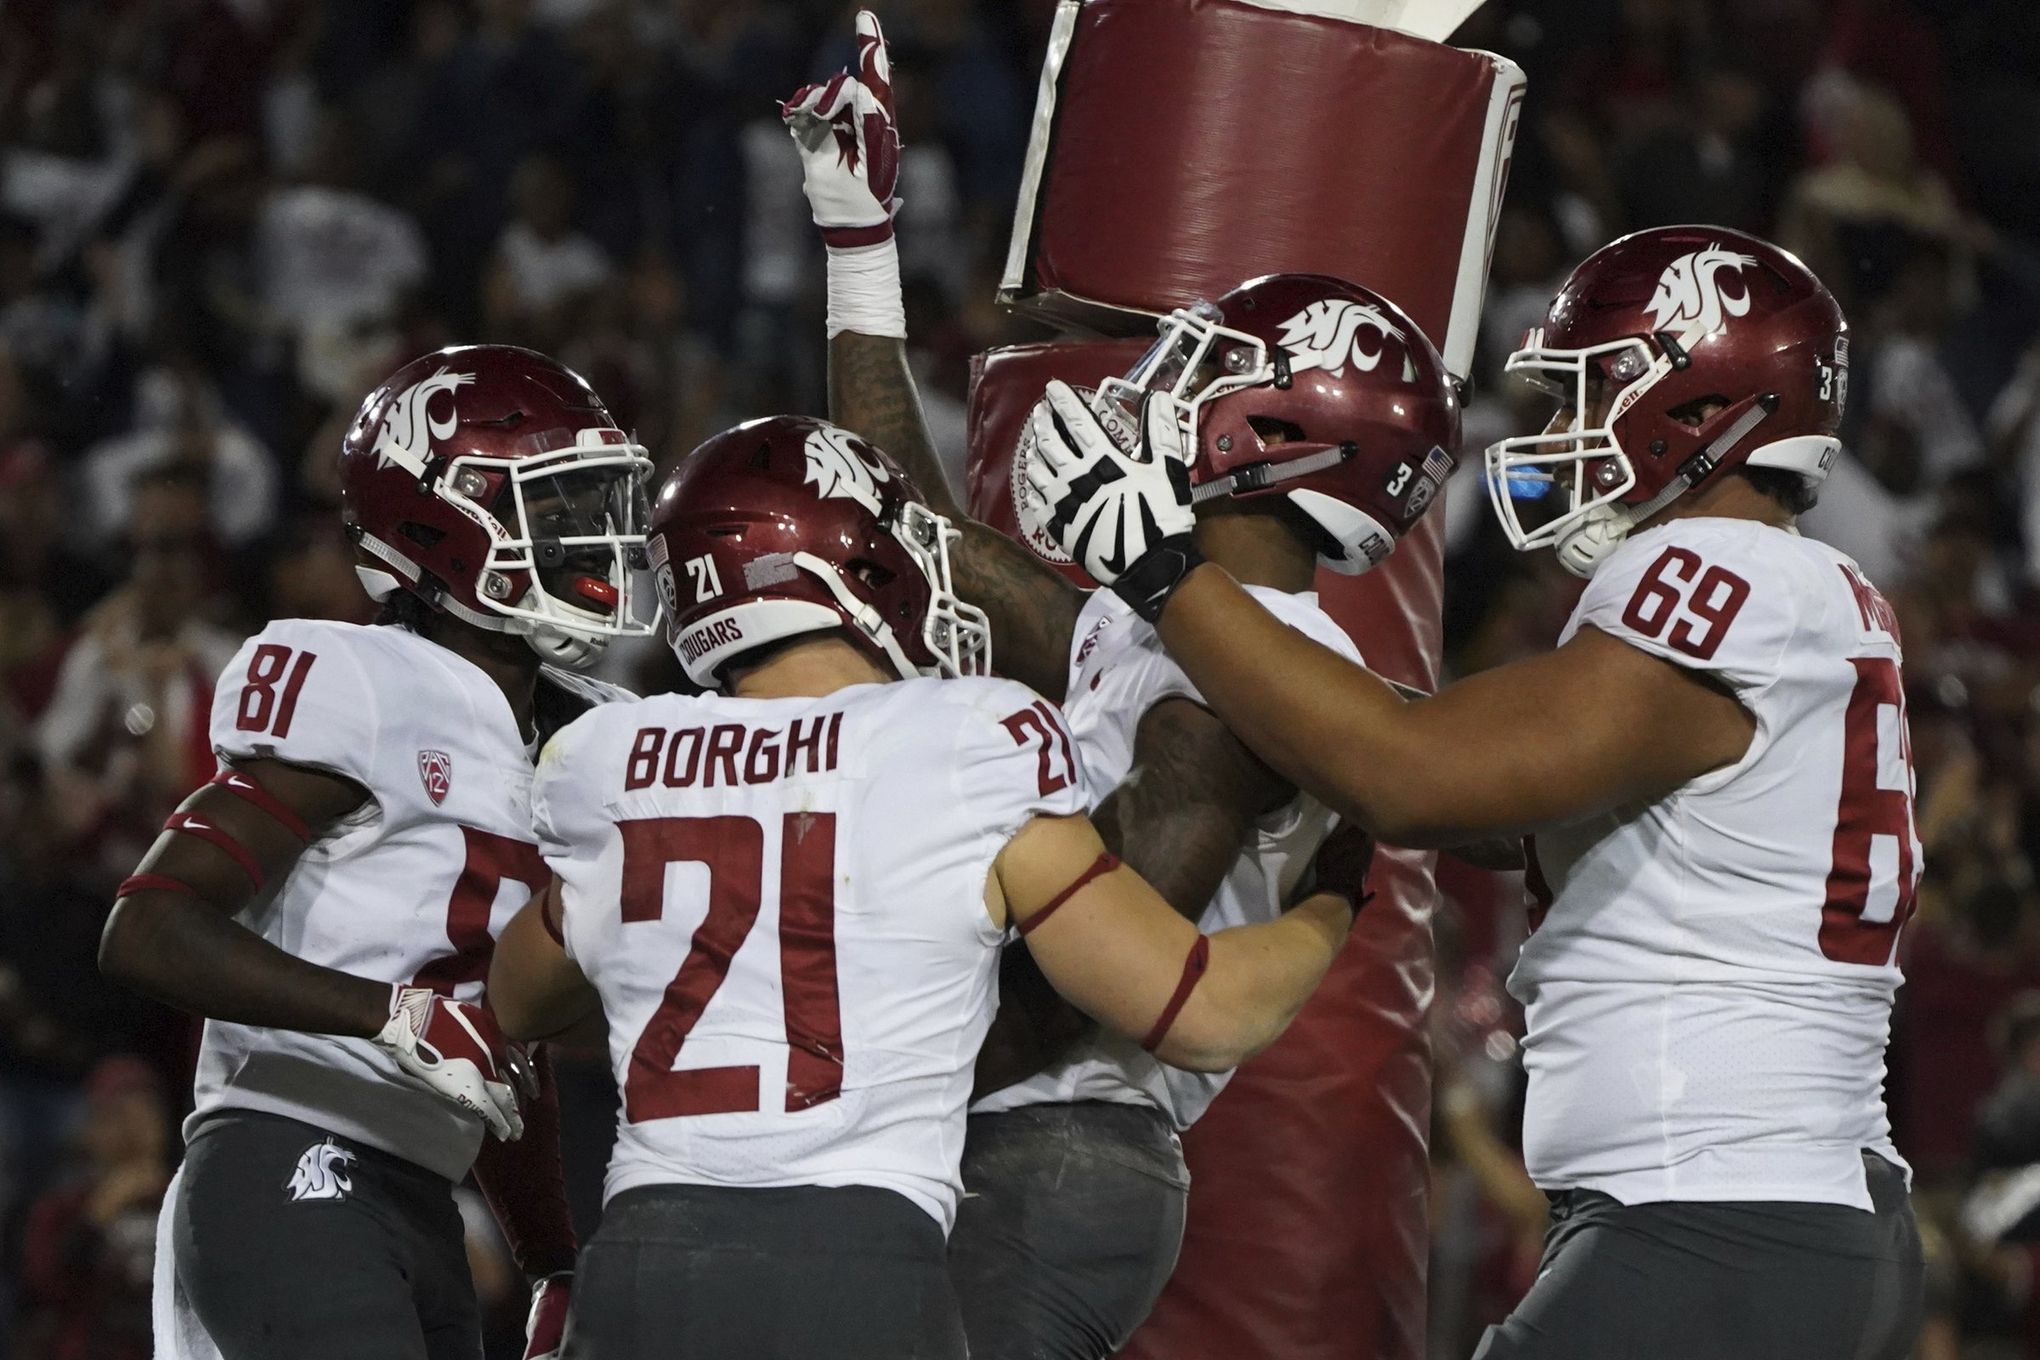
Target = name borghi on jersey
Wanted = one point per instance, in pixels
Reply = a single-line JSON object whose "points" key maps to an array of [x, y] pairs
{"points": [[782, 905]]}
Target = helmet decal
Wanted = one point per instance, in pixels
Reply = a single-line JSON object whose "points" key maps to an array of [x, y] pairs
{"points": [[409, 428], [1690, 291], [1329, 331], [836, 469]]}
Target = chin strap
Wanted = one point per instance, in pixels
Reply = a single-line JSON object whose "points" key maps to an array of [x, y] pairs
{"points": [[1258, 476], [1583, 550]]}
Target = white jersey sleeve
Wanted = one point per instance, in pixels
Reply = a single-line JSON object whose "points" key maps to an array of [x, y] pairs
{"points": [[1015, 759], [299, 692], [1696, 603]]}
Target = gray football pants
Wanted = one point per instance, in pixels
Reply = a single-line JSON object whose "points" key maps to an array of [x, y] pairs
{"points": [[1757, 1280], [1071, 1219], [370, 1260], [805, 1272]]}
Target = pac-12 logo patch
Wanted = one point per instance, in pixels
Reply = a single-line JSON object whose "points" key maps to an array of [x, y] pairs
{"points": [[322, 1172], [436, 769]]}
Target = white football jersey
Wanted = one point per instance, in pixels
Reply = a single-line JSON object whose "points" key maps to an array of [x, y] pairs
{"points": [[782, 904], [411, 888], [1118, 671], [1709, 990]]}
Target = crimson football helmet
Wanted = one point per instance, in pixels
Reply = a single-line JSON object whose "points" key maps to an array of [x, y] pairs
{"points": [[1648, 336], [788, 525], [1310, 388], [492, 483]]}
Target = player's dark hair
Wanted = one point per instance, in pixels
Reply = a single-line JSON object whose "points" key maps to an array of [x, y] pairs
{"points": [[404, 610], [1792, 491]]}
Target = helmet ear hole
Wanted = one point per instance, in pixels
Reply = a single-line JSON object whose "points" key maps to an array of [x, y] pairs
{"points": [[1696, 412], [1271, 430], [869, 573], [424, 535]]}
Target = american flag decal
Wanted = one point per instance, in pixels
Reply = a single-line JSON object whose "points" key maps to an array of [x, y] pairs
{"points": [[1438, 465]]}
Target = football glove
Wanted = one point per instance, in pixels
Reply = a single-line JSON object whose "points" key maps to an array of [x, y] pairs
{"points": [[849, 145], [545, 1328], [455, 1049], [1342, 866], [1122, 514]]}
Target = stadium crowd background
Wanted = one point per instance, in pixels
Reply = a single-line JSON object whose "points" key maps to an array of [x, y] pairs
{"points": [[221, 222]]}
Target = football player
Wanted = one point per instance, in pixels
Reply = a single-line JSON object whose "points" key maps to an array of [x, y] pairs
{"points": [[1325, 447], [788, 901], [1714, 764], [328, 902]]}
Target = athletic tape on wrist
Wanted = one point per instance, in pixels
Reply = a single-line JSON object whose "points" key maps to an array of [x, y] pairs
{"points": [[1104, 864], [1194, 964], [864, 290], [1148, 583]]}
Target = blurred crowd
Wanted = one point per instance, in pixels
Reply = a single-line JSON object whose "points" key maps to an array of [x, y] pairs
{"points": [[222, 220]]}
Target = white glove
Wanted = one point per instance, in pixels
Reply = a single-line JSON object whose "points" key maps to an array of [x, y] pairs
{"points": [[850, 169], [849, 146], [1123, 515], [454, 1049]]}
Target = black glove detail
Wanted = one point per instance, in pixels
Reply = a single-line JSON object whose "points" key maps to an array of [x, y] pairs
{"points": [[1148, 583]]}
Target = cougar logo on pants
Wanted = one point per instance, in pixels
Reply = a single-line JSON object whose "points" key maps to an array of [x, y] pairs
{"points": [[322, 1172]]}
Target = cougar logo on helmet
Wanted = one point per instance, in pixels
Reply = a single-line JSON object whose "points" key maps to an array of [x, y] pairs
{"points": [[837, 469], [1329, 329], [1690, 293], [322, 1172], [409, 429]]}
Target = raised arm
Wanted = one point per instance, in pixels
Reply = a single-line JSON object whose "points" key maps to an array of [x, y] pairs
{"points": [[850, 162], [1033, 609]]}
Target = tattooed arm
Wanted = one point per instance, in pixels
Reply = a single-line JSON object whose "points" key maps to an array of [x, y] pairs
{"points": [[1180, 819], [1033, 609]]}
